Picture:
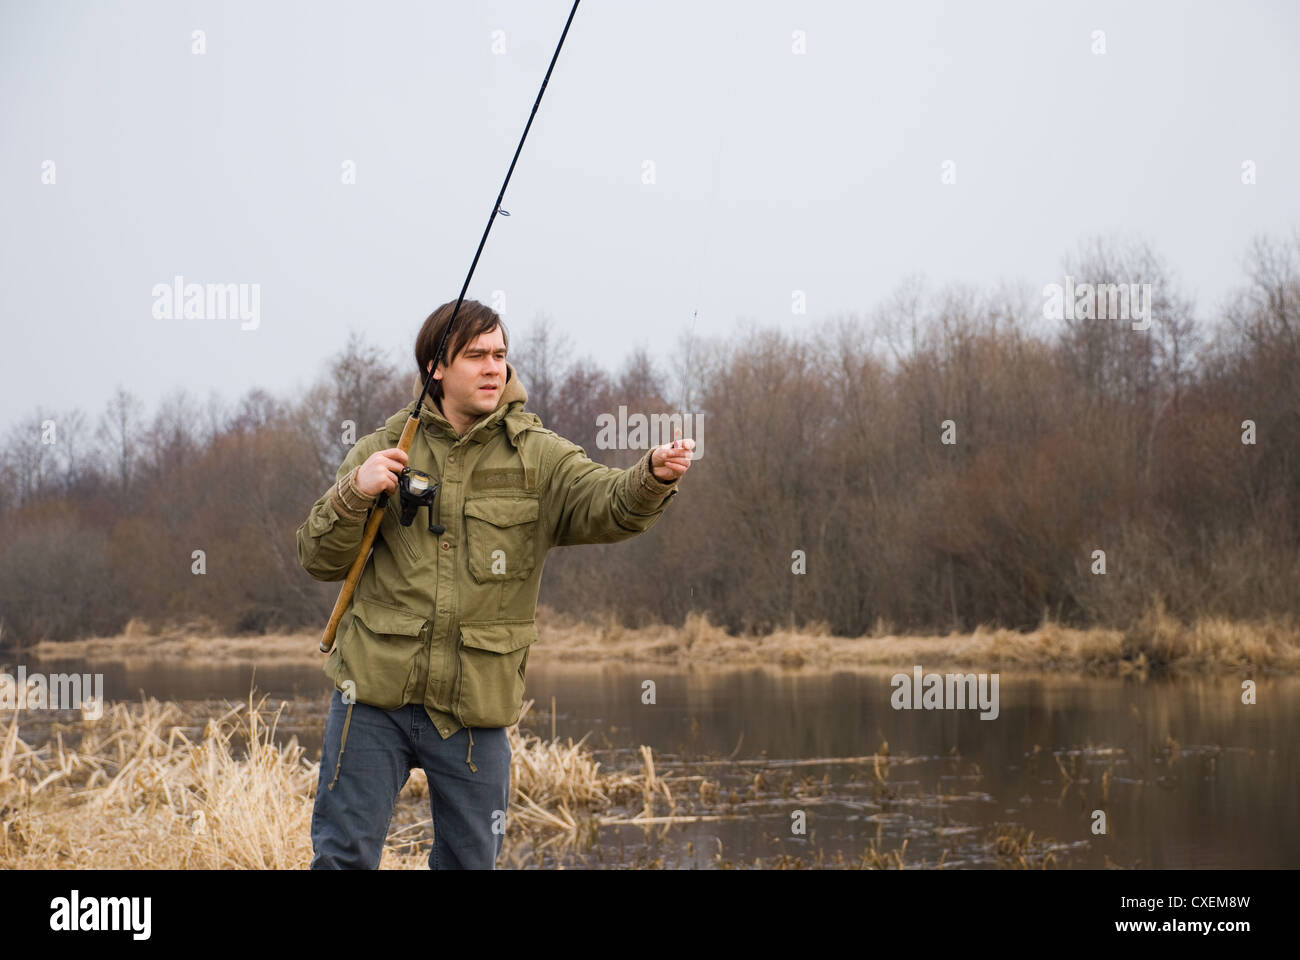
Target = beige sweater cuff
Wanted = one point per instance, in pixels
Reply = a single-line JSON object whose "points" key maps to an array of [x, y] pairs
{"points": [[349, 502]]}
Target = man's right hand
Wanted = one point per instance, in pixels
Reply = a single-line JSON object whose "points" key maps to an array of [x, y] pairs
{"points": [[379, 473]]}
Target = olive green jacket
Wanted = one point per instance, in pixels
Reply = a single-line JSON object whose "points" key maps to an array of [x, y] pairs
{"points": [[447, 620]]}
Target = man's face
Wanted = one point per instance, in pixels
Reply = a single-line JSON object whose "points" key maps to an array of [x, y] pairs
{"points": [[472, 385]]}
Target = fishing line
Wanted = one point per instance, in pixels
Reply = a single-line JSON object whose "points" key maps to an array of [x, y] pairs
{"points": [[700, 274]]}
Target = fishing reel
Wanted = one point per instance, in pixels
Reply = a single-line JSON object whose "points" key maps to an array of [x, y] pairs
{"points": [[417, 489]]}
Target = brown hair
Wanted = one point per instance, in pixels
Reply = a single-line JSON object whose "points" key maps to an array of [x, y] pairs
{"points": [[472, 321]]}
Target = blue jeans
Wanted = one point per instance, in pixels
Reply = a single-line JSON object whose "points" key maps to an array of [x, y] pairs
{"points": [[355, 798]]}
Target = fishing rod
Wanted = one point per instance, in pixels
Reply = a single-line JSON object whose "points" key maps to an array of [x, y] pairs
{"points": [[413, 422]]}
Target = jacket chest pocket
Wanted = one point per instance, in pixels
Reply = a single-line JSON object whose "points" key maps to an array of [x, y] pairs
{"points": [[493, 659], [501, 536]]}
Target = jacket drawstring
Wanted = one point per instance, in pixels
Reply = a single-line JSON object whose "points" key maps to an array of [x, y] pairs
{"points": [[342, 743], [472, 768]]}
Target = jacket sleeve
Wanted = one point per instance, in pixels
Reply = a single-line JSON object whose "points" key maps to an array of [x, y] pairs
{"points": [[588, 502], [328, 539]]}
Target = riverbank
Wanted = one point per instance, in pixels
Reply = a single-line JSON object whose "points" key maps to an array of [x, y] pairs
{"points": [[1157, 643]]}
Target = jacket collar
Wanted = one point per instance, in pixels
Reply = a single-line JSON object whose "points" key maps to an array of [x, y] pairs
{"points": [[512, 400]]}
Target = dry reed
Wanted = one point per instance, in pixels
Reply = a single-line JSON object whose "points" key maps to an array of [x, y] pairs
{"points": [[137, 792], [1157, 641]]}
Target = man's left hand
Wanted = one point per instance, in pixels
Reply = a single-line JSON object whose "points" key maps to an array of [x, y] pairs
{"points": [[670, 460]]}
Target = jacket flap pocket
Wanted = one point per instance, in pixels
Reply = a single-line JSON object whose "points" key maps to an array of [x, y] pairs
{"points": [[381, 619], [502, 511], [322, 520], [498, 637]]}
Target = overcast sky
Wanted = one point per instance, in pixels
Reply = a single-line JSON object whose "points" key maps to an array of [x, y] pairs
{"points": [[773, 170]]}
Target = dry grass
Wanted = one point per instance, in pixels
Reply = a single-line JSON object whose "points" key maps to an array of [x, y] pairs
{"points": [[1156, 642], [197, 639], [136, 792]]}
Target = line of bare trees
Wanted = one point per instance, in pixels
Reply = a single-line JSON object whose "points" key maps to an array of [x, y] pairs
{"points": [[951, 459]]}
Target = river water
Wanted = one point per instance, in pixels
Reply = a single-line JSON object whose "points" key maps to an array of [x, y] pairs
{"points": [[1185, 774]]}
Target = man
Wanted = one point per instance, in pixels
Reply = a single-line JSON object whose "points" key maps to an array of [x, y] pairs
{"points": [[429, 659]]}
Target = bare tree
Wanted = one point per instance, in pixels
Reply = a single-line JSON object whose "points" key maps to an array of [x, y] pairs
{"points": [[584, 395], [367, 389], [543, 356], [74, 449], [172, 436], [31, 459], [823, 448], [119, 432]]}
